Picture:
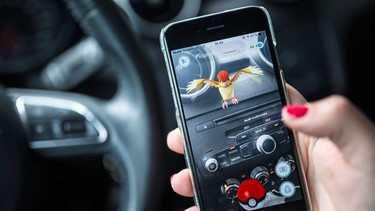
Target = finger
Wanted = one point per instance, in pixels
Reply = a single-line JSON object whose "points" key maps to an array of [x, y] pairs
{"points": [[294, 96], [192, 209], [343, 149], [181, 183], [336, 118], [174, 141]]}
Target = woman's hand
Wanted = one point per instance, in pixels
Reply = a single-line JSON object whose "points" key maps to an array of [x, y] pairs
{"points": [[337, 146]]}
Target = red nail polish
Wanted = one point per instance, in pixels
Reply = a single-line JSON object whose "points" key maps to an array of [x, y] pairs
{"points": [[297, 111]]}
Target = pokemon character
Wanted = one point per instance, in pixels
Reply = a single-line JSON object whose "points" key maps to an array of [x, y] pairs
{"points": [[225, 84]]}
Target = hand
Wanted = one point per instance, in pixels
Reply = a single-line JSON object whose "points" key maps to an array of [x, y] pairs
{"points": [[337, 145]]}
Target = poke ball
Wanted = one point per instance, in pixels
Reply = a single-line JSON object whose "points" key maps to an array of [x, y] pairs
{"points": [[251, 194]]}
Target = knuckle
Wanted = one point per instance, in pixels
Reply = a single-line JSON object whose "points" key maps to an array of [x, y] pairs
{"points": [[339, 104]]}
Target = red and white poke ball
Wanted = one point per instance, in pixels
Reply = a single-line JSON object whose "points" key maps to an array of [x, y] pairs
{"points": [[251, 194]]}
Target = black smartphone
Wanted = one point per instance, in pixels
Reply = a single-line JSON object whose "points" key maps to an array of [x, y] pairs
{"points": [[228, 91]]}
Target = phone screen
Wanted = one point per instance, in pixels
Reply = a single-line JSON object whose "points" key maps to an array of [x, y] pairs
{"points": [[231, 107]]}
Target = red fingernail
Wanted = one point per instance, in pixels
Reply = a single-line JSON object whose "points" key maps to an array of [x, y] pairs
{"points": [[172, 177], [297, 111]]}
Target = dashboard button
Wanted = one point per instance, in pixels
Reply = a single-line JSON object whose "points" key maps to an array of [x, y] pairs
{"points": [[223, 160], [242, 136], [248, 150], [224, 163], [283, 169], [234, 156], [287, 189], [204, 126], [40, 130], [74, 126]]}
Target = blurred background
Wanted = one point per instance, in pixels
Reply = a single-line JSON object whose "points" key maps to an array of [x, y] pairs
{"points": [[324, 47]]}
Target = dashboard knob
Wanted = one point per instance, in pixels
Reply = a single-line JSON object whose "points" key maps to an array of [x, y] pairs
{"points": [[229, 189], [261, 174], [211, 165], [266, 144]]}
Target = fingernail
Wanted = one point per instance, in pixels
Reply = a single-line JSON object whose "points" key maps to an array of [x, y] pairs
{"points": [[172, 177], [297, 111]]}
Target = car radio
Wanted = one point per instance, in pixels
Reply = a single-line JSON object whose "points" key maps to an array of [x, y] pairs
{"points": [[249, 143]]}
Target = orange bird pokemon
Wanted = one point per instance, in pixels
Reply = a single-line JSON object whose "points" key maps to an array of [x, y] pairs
{"points": [[225, 84]]}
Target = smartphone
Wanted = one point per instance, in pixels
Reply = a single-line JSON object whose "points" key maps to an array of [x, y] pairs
{"points": [[228, 92]]}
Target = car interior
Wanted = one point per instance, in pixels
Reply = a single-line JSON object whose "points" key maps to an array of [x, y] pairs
{"points": [[86, 103]]}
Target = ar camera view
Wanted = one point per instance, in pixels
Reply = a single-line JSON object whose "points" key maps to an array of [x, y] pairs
{"points": [[232, 109]]}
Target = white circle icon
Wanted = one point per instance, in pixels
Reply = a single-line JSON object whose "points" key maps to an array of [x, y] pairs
{"points": [[283, 169], [184, 61], [287, 189]]}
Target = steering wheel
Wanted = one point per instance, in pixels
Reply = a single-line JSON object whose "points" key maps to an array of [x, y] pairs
{"points": [[63, 124]]}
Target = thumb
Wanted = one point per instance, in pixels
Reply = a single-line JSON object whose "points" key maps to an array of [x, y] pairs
{"points": [[338, 120]]}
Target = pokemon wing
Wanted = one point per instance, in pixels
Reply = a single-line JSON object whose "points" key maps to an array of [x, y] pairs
{"points": [[197, 83], [249, 70]]}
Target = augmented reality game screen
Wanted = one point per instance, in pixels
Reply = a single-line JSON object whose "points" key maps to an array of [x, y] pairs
{"points": [[242, 151]]}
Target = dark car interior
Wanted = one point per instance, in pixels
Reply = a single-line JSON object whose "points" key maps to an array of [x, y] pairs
{"points": [[86, 103]]}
